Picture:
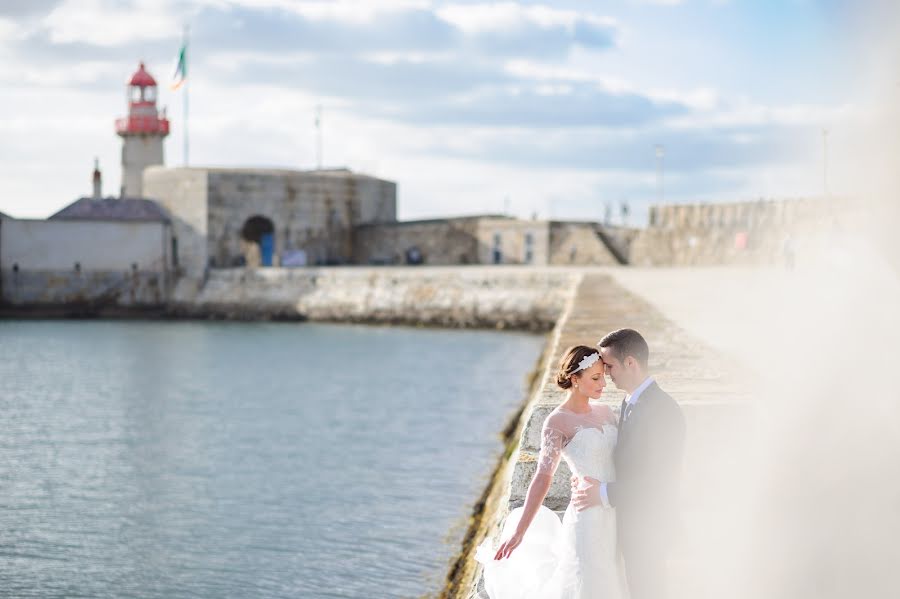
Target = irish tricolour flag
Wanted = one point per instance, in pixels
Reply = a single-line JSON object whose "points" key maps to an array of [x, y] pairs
{"points": [[180, 74]]}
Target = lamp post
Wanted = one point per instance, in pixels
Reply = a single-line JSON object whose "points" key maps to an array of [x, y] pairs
{"points": [[318, 136], [660, 173], [825, 162]]}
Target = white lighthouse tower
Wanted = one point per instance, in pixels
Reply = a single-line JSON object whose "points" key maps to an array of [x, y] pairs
{"points": [[142, 132]]}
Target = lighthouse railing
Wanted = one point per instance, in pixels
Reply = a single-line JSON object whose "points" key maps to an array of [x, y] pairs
{"points": [[142, 124]]}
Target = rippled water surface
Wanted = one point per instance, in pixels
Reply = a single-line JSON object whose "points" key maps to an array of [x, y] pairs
{"points": [[171, 459]]}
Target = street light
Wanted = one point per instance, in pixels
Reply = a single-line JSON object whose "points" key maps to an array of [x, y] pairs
{"points": [[825, 161], [319, 136], [660, 173]]}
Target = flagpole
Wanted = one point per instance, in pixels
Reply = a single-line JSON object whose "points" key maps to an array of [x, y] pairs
{"points": [[186, 86]]}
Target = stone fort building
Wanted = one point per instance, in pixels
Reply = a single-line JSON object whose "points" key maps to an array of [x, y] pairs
{"points": [[232, 217]]}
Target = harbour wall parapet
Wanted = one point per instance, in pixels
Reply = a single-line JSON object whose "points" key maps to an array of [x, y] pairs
{"points": [[77, 293], [765, 232], [494, 297]]}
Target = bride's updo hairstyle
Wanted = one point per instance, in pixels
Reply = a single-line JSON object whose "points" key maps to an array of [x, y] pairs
{"points": [[569, 364]]}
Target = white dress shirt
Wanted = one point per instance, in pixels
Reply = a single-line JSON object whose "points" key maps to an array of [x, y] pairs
{"points": [[630, 400]]}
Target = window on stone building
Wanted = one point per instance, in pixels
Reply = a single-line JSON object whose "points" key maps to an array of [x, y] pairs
{"points": [[529, 248], [497, 252]]}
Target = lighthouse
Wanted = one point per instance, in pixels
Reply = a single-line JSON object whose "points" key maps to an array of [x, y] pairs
{"points": [[142, 132]]}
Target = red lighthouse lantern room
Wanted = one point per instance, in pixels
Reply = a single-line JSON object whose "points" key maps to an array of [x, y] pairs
{"points": [[142, 132], [143, 117]]}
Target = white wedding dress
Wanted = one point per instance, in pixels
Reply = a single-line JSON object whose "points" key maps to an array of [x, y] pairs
{"points": [[575, 559]]}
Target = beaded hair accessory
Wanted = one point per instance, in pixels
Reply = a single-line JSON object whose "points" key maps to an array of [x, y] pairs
{"points": [[587, 362]]}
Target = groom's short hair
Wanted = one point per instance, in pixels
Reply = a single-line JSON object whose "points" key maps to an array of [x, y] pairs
{"points": [[627, 342]]}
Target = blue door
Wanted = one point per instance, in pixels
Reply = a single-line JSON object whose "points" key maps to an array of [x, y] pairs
{"points": [[267, 248]]}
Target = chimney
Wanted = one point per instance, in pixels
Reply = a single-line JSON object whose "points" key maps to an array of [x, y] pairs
{"points": [[98, 182]]}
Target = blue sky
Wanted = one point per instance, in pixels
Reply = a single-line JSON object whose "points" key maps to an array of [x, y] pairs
{"points": [[553, 109]]}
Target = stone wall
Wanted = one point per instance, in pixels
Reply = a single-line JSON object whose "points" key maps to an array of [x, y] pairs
{"points": [[512, 241], [376, 199], [438, 242], [459, 297], [764, 232], [492, 240], [465, 240], [62, 245], [83, 267], [183, 193], [90, 293], [578, 243]]}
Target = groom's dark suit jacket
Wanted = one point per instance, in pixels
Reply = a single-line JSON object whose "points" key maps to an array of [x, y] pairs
{"points": [[648, 459]]}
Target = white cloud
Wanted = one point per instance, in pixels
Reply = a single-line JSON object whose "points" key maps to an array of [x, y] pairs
{"points": [[744, 113], [666, 2], [9, 30], [393, 58], [83, 73], [481, 18], [349, 11], [110, 24], [702, 99], [540, 71]]}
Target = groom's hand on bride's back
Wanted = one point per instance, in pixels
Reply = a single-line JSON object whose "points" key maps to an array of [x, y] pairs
{"points": [[586, 497]]}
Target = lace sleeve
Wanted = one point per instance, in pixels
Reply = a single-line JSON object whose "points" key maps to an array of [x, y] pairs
{"points": [[551, 450]]}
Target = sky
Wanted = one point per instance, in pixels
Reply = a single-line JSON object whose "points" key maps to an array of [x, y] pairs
{"points": [[547, 109]]}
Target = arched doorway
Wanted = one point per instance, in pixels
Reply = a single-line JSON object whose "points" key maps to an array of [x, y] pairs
{"points": [[258, 236]]}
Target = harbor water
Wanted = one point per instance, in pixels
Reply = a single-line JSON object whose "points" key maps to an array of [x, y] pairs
{"points": [[210, 459]]}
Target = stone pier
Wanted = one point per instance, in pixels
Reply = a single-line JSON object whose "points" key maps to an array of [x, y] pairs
{"points": [[505, 297]]}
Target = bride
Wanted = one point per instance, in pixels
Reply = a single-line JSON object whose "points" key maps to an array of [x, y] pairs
{"points": [[577, 559]]}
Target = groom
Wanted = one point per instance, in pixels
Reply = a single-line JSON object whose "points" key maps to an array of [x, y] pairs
{"points": [[648, 463]]}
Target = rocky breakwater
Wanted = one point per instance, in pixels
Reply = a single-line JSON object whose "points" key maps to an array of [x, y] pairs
{"points": [[495, 297]]}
